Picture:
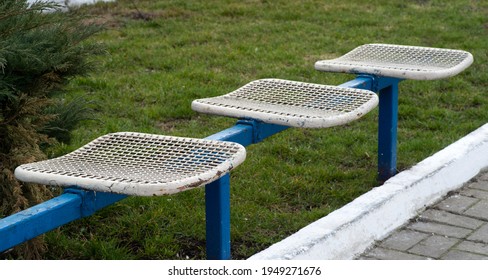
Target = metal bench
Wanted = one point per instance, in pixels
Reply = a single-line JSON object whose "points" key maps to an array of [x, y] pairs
{"points": [[115, 165], [380, 68]]}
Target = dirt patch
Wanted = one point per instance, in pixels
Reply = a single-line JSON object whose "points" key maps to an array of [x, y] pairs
{"points": [[137, 14], [170, 125], [114, 17], [107, 20]]}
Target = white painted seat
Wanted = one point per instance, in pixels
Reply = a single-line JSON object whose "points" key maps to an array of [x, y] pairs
{"points": [[138, 164], [291, 103], [403, 62]]}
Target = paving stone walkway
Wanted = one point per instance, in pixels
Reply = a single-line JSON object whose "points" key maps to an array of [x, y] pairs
{"points": [[456, 228]]}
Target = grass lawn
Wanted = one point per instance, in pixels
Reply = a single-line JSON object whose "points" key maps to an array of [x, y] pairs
{"points": [[162, 54]]}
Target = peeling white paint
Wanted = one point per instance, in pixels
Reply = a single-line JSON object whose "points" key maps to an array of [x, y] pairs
{"points": [[348, 231]]}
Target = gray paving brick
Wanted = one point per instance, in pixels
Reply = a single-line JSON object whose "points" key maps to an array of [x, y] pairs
{"points": [[481, 185], [387, 254], [479, 210], [434, 246], [454, 229], [456, 203], [403, 240], [474, 193], [451, 219], [480, 235], [483, 176], [460, 255], [440, 229], [363, 258], [473, 247]]}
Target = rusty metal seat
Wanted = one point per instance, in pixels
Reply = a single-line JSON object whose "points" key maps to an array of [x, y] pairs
{"points": [[397, 61], [137, 164], [291, 103]]}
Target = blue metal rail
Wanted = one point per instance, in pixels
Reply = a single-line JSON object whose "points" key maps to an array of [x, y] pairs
{"points": [[72, 205], [75, 203]]}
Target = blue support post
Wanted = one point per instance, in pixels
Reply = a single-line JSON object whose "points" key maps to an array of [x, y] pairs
{"points": [[217, 208], [387, 131], [217, 193]]}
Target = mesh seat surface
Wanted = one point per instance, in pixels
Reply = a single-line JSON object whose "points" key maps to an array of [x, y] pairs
{"points": [[404, 62], [137, 164], [291, 103]]}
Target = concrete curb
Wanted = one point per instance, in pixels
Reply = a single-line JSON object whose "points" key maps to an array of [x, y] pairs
{"points": [[348, 231]]}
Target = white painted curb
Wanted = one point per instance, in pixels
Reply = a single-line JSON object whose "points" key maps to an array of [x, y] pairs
{"points": [[348, 231]]}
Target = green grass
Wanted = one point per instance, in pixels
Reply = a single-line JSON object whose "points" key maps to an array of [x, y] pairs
{"points": [[188, 49]]}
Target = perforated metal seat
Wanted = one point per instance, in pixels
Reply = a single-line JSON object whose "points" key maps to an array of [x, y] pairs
{"points": [[291, 103], [404, 62], [138, 164]]}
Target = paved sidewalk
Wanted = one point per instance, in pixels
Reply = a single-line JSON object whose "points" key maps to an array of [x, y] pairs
{"points": [[454, 229]]}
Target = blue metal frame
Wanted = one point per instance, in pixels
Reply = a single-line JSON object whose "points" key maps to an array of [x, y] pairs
{"points": [[75, 203], [39, 219], [72, 205], [361, 82], [217, 211], [387, 131]]}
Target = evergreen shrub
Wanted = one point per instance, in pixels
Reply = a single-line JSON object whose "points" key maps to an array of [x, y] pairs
{"points": [[41, 48]]}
